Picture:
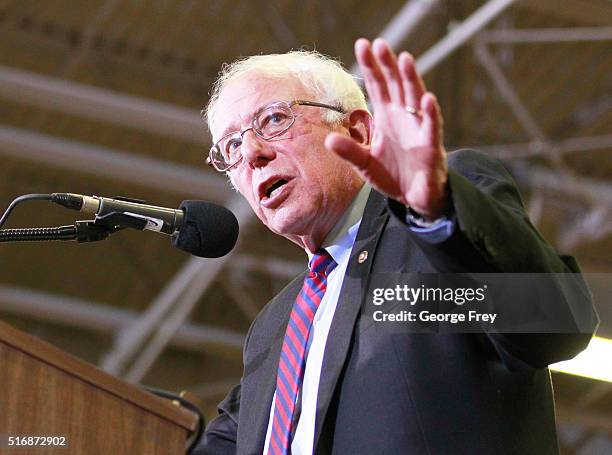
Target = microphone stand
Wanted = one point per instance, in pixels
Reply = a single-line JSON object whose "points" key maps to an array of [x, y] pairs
{"points": [[82, 231]]}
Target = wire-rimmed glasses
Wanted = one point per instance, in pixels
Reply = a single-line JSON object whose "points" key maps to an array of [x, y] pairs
{"points": [[269, 122]]}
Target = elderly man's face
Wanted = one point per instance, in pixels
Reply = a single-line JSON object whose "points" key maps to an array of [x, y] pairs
{"points": [[297, 187]]}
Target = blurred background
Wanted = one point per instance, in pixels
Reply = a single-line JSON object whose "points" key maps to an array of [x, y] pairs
{"points": [[103, 98]]}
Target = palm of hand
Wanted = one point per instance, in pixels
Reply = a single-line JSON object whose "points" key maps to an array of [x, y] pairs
{"points": [[405, 158], [404, 162]]}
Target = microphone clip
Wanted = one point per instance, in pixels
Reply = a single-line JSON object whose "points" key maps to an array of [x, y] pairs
{"points": [[102, 226]]}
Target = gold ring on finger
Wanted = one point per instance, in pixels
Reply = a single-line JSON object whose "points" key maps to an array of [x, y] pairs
{"points": [[413, 111]]}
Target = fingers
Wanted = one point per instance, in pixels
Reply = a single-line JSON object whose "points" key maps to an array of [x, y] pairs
{"points": [[432, 122], [393, 84], [387, 77], [349, 149], [413, 85], [372, 75], [388, 64]]}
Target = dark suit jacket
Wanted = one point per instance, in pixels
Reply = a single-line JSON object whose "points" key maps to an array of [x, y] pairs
{"points": [[390, 392]]}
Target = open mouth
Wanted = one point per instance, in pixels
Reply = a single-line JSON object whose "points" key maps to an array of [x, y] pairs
{"points": [[274, 187], [270, 188]]}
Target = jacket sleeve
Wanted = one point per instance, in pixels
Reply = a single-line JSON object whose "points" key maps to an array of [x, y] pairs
{"points": [[493, 234], [219, 438]]}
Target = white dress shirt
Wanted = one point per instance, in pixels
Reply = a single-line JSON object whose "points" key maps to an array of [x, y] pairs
{"points": [[338, 244]]}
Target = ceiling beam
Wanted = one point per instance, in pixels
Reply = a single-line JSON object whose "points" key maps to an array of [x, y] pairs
{"points": [[404, 23], [91, 30], [275, 266], [597, 12], [105, 319], [591, 226], [184, 305], [169, 309], [461, 34], [509, 94], [546, 35], [527, 149], [569, 186], [105, 57], [103, 105], [113, 164]]}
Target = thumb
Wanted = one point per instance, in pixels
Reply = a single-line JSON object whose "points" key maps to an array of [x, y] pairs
{"points": [[349, 149]]}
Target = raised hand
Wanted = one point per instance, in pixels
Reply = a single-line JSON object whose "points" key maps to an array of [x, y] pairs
{"points": [[406, 159]]}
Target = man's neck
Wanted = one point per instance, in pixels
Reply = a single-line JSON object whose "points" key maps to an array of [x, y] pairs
{"points": [[351, 213]]}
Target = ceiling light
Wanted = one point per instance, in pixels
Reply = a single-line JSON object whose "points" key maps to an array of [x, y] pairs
{"points": [[594, 362]]}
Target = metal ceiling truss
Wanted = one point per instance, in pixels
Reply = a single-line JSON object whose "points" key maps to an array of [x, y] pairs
{"points": [[509, 152], [163, 323], [587, 11], [89, 34], [404, 23], [162, 118], [598, 212], [105, 162], [103, 49], [461, 34], [102, 105], [169, 309], [104, 319]]}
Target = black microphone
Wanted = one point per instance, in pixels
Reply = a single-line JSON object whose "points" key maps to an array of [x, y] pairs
{"points": [[197, 227], [208, 230]]}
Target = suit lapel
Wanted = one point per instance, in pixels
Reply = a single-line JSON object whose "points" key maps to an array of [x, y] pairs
{"points": [[349, 303]]}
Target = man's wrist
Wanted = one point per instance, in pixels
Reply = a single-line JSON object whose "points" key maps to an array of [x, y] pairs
{"points": [[437, 206], [416, 219]]}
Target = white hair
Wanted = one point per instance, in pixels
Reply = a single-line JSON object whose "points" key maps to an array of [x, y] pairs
{"points": [[323, 76]]}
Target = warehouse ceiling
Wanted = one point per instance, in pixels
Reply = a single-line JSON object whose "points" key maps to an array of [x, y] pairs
{"points": [[103, 98]]}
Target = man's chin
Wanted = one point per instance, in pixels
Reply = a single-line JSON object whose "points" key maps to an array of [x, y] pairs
{"points": [[287, 224]]}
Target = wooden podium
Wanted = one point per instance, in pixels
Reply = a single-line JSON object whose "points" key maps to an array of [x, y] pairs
{"points": [[46, 392]]}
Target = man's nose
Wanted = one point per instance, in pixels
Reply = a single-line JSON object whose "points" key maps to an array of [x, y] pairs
{"points": [[255, 150]]}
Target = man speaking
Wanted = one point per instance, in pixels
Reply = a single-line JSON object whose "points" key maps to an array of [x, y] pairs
{"points": [[366, 194]]}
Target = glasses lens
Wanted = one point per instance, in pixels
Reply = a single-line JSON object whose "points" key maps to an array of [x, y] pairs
{"points": [[216, 159], [226, 151], [273, 120]]}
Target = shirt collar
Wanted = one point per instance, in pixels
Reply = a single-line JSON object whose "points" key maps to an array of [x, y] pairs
{"points": [[340, 239]]}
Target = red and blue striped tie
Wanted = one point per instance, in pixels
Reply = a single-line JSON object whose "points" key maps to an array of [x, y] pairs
{"points": [[293, 354]]}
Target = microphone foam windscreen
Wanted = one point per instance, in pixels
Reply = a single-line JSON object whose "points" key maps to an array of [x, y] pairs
{"points": [[208, 230]]}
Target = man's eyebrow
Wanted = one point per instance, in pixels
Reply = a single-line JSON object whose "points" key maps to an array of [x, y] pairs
{"points": [[232, 129], [228, 130]]}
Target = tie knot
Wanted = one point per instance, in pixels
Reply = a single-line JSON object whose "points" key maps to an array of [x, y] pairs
{"points": [[322, 262]]}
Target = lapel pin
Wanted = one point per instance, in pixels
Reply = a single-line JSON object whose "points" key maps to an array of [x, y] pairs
{"points": [[362, 257]]}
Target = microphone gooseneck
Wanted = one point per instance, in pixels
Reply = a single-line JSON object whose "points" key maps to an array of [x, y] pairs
{"points": [[197, 227], [38, 234]]}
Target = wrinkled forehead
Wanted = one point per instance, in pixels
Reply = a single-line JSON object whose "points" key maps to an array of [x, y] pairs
{"points": [[243, 96]]}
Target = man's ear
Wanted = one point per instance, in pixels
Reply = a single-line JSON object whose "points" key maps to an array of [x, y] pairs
{"points": [[361, 126]]}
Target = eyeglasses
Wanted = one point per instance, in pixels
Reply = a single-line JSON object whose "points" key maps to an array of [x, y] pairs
{"points": [[269, 122]]}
